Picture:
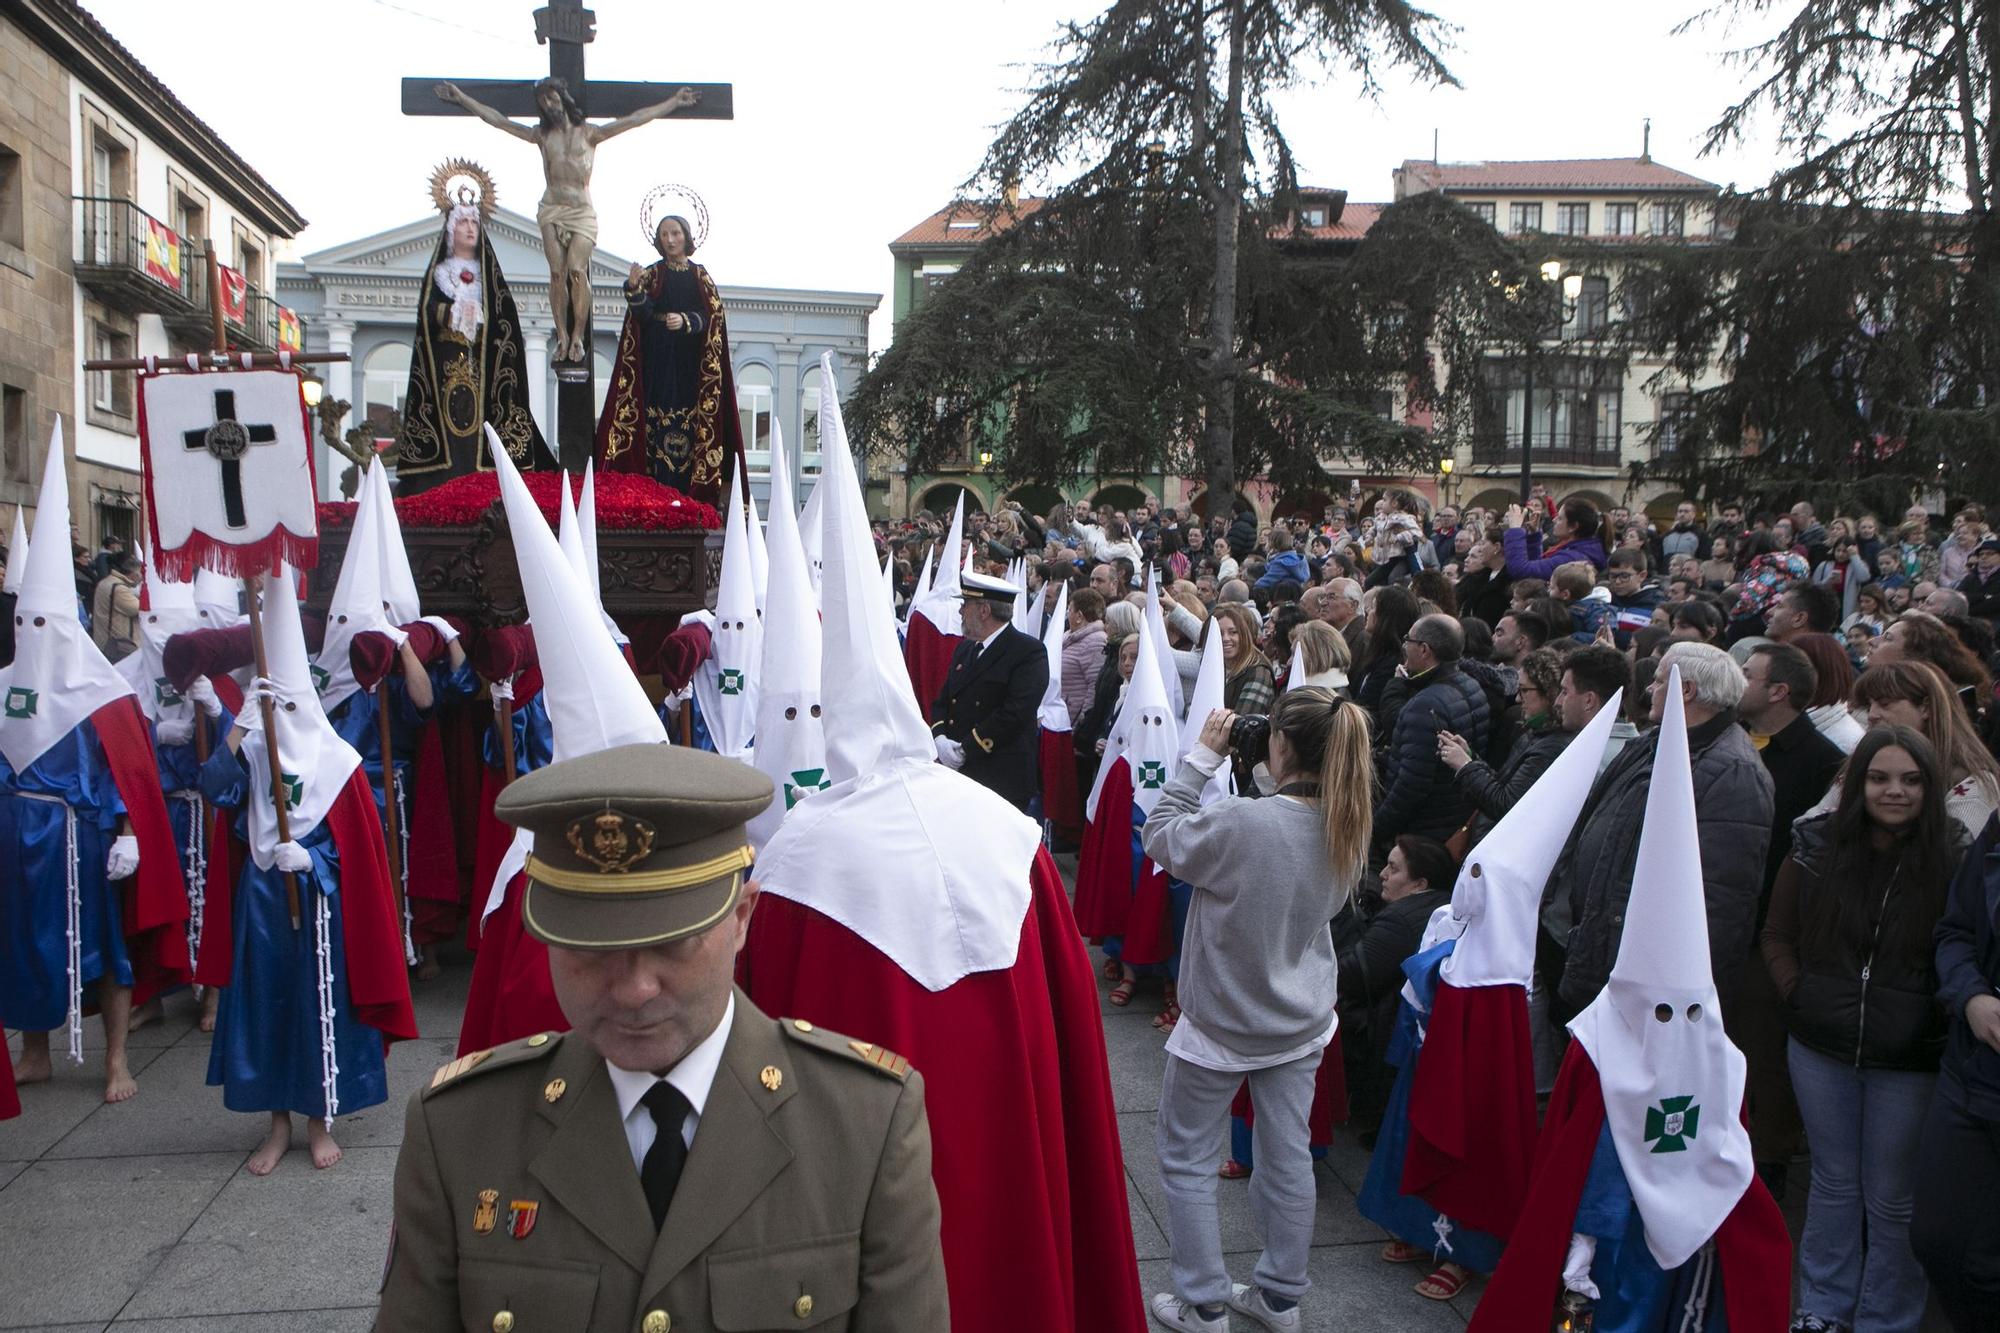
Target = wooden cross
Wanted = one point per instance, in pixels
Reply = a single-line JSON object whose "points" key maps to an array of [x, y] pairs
{"points": [[229, 439], [566, 27]]}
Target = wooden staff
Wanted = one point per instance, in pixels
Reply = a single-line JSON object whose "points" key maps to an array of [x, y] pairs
{"points": [[252, 585], [503, 711], [394, 819]]}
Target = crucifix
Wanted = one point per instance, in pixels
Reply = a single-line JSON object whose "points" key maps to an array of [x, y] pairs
{"points": [[561, 106], [229, 439]]}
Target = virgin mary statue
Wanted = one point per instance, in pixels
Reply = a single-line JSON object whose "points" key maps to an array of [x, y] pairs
{"points": [[468, 366]]}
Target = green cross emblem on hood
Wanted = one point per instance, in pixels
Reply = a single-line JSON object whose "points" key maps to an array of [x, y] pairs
{"points": [[22, 702], [804, 782], [164, 693], [730, 680], [1152, 773], [1671, 1124], [321, 677], [295, 790]]}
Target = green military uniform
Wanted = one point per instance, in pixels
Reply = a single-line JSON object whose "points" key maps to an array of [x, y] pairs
{"points": [[806, 1199]]}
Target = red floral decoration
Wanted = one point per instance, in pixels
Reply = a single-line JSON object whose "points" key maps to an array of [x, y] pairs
{"points": [[625, 500]]}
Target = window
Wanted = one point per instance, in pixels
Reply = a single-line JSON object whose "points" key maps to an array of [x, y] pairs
{"points": [[1484, 212], [385, 378], [14, 442], [110, 390], [1593, 309], [1621, 219], [809, 421], [754, 401], [13, 181], [1524, 217], [1576, 409], [1573, 219], [1313, 216], [1671, 432], [1667, 219], [187, 209]]}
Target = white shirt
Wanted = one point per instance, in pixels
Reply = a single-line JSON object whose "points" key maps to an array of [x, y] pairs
{"points": [[987, 642], [694, 1075]]}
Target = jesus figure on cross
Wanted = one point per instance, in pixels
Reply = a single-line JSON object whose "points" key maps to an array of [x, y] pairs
{"points": [[568, 220]]}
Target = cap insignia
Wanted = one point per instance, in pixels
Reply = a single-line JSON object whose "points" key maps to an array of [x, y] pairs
{"points": [[611, 841]]}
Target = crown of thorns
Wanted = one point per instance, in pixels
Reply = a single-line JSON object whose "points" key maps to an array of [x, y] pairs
{"points": [[694, 209]]}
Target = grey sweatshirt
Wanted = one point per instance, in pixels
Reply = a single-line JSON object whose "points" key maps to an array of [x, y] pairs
{"points": [[1257, 966]]}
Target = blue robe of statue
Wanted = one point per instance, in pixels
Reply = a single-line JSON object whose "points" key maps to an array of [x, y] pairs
{"points": [[1635, 1294], [34, 914], [267, 1053], [1381, 1200]]}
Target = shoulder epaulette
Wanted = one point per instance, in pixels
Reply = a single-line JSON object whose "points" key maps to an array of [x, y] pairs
{"points": [[879, 1058], [537, 1047]]}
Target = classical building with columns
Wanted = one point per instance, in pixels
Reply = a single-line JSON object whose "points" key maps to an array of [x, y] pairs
{"points": [[361, 297]]}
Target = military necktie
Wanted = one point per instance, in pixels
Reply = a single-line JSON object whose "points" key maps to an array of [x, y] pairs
{"points": [[661, 1171]]}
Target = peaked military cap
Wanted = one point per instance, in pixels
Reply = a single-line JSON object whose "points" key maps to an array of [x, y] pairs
{"points": [[635, 845]]}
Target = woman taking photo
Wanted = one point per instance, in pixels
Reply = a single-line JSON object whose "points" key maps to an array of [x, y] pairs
{"points": [[1849, 944], [1258, 984]]}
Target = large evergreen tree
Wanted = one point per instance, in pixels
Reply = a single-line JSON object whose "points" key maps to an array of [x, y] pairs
{"points": [[1159, 309]]}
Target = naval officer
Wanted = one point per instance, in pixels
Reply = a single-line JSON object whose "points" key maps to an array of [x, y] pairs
{"points": [[678, 1162], [987, 708]]}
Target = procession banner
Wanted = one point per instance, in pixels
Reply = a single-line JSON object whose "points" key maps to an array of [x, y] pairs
{"points": [[234, 291], [163, 255], [228, 472], [291, 335]]}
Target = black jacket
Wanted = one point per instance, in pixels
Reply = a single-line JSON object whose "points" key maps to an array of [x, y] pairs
{"points": [[1493, 791], [1593, 878], [1968, 964], [1371, 960], [1484, 594], [1801, 762], [1982, 595], [988, 705], [1094, 725], [1418, 795], [1242, 535]]}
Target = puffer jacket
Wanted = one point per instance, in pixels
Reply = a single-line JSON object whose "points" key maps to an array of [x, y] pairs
{"points": [[1584, 903], [1870, 1003], [1082, 659], [1418, 794]]}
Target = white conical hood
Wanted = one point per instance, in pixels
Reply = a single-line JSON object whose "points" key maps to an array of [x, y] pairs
{"points": [[791, 738], [811, 528], [1673, 1081], [923, 582], [17, 554], [218, 598], [169, 611], [1295, 674], [725, 685], [760, 551], [358, 604], [940, 600], [889, 580], [1499, 892], [569, 536], [1054, 713], [577, 534], [58, 677], [1149, 730], [1163, 650], [1037, 620], [1017, 574], [399, 585], [1210, 683], [315, 762], [962, 856]]}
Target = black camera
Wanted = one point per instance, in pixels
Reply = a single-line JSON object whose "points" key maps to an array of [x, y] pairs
{"points": [[1250, 738]]}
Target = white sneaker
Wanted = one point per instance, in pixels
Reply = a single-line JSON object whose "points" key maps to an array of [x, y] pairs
{"points": [[1249, 1302], [1173, 1312]]}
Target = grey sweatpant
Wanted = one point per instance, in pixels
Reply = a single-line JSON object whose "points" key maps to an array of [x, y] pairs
{"points": [[1194, 1130]]}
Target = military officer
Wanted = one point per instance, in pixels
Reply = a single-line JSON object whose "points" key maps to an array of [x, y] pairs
{"points": [[986, 710], [678, 1161]]}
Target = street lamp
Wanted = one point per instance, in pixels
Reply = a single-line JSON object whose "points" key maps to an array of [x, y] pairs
{"points": [[1571, 286], [311, 390], [1444, 471]]}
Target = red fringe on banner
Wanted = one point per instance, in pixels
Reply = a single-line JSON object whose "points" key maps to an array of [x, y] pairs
{"points": [[236, 559]]}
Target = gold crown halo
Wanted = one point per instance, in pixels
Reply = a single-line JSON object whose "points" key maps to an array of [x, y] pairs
{"points": [[460, 180]]}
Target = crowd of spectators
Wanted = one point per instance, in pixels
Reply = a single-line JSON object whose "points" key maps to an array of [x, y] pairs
{"points": [[1837, 677]]}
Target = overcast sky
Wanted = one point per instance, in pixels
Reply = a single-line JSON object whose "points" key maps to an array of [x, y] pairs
{"points": [[855, 121]]}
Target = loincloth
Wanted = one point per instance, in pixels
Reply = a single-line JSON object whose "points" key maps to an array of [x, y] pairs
{"points": [[572, 222]]}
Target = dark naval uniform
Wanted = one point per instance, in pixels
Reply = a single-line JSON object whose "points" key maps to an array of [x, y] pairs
{"points": [[988, 705]]}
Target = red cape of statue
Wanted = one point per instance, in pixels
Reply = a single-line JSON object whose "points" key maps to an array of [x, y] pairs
{"points": [[156, 903], [512, 995], [1024, 1138], [1062, 803], [927, 654], [1752, 1244], [378, 984], [1472, 1108], [1104, 867]]}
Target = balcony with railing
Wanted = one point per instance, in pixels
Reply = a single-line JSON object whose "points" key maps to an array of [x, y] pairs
{"points": [[1559, 448], [132, 261]]}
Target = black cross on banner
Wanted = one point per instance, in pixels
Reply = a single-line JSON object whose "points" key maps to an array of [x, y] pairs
{"points": [[229, 439]]}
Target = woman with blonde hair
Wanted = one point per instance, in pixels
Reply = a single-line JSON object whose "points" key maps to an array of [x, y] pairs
{"points": [[1258, 986], [1248, 683], [1916, 695], [1323, 652]]}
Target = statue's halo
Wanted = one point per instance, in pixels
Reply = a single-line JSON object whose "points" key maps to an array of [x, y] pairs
{"points": [[454, 177], [696, 212]]}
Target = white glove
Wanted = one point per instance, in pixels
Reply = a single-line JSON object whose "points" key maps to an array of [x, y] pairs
{"points": [[950, 753], [442, 626], [1576, 1265], [202, 695], [123, 860], [501, 689], [171, 732], [291, 857]]}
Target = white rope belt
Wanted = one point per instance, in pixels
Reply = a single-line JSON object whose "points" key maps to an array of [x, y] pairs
{"points": [[73, 919], [194, 867], [403, 868], [329, 1063]]}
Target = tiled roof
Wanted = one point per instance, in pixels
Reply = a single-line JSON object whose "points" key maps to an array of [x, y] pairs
{"points": [[1355, 220], [1600, 173], [965, 222]]}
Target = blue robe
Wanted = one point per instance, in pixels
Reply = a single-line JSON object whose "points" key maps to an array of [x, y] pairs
{"points": [[34, 915], [180, 772], [1381, 1200], [266, 1053], [1180, 896], [534, 738], [1635, 1294]]}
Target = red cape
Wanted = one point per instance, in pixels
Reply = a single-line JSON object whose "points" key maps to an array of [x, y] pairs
{"points": [[1024, 1138], [491, 837], [226, 857], [378, 984], [156, 903], [435, 899], [1062, 803], [512, 995], [1104, 867], [10, 1100], [927, 654], [1472, 1108], [1754, 1248]]}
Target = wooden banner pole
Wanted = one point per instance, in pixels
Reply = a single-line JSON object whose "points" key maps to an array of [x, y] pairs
{"points": [[504, 717], [392, 817], [252, 585]]}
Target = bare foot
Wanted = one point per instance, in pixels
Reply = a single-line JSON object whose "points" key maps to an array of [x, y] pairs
{"points": [[119, 1085], [209, 1000], [429, 969], [32, 1065], [325, 1152], [265, 1160], [149, 1012]]}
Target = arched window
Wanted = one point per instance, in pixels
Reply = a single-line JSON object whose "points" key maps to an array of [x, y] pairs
{"points": [[754, 401], [385, 377], [809, 422]]}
